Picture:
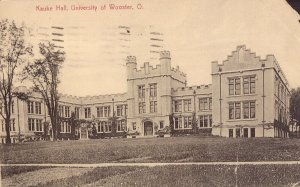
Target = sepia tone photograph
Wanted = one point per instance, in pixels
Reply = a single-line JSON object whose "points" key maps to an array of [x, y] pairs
{"points": [[150, 93]]}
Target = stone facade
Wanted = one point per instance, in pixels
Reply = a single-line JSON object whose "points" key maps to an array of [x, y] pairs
{"points": [[248, 97]]}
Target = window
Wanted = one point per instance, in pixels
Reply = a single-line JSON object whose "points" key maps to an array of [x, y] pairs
{"points": [[235, 86], [77, 109], [30, 107], [38, 108], [161, 124], [249, 85], [100, 126], [31, 124], [134, 126], [230, 133], [252, 85], [39, 125], [210, 103], [153, 106], [65, 127], [126, 108], [188, 122], [107, 127], [276, 85], [12, 107], [187, 105], [204, 103], [67, 111], [61, 110], [177, 105], [142, 107], [205, 121], [237, 132], [99, 112], [235, 110], [119, 110], [121, 126], [87, 112], [106, 111], [12, 126], [141, 91], [246, 132], [153, 90], [249, 109], [103, 111], [252, 131], [177, 123]]}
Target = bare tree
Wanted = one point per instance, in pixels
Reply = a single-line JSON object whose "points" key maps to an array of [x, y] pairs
{"points": [[43, 73], [14, 52]]}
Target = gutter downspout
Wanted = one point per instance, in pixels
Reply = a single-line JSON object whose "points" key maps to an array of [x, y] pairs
{"points": [[220, 100], [19, 120], [263, 96]]}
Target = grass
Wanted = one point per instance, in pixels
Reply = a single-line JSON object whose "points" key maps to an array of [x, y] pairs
{"points": [[177, 149], [246, 175]]}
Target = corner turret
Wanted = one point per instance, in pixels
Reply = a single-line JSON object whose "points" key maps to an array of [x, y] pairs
{"points": [[131, 65], [165, 62]]}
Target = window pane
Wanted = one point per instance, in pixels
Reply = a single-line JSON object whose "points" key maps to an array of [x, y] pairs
{"points": [[246, 110], [231, 113], [237, 110]]}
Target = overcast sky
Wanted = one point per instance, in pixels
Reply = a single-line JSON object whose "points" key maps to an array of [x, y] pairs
{"points": [[196, 32]]}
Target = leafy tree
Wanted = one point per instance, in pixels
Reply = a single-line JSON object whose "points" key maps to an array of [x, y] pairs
{"points": [[113, 121], [14, 52], [43, 73], [171, 120], [75, 124], [295, 106]]}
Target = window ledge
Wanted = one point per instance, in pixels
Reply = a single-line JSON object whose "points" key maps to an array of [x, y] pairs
{"points": [[241, 95], [184, 129], [251, 119]]}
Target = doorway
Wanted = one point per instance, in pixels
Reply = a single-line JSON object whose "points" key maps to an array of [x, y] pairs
{"points": [[148, 128]]}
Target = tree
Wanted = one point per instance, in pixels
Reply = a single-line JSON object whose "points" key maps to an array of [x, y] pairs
{"points": [[43, 73], [14, 52], [113, 121], [295, 105]]}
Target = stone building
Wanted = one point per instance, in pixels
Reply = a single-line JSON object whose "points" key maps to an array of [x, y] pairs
{"points": [[248, 97]]}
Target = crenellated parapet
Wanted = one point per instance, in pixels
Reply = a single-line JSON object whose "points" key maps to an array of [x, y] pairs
{"points": [[108, 98], [192, 90], [177, 74], [147, 71], [65, 98]]}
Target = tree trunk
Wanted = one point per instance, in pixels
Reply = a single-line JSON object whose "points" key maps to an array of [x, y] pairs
{"points": [[7, 128]]}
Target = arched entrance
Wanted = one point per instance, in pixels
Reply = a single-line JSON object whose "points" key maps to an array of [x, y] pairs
{"points": [[148, 128]]}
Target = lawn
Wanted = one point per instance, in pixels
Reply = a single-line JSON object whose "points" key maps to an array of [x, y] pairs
{"points": [[174, 149]]}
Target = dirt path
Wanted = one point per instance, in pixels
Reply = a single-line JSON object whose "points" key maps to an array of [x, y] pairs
{"points": [[154, 164], [42, 176]]}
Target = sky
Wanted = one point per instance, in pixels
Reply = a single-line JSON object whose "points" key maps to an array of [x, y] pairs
{"points": [[196, 33]]}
